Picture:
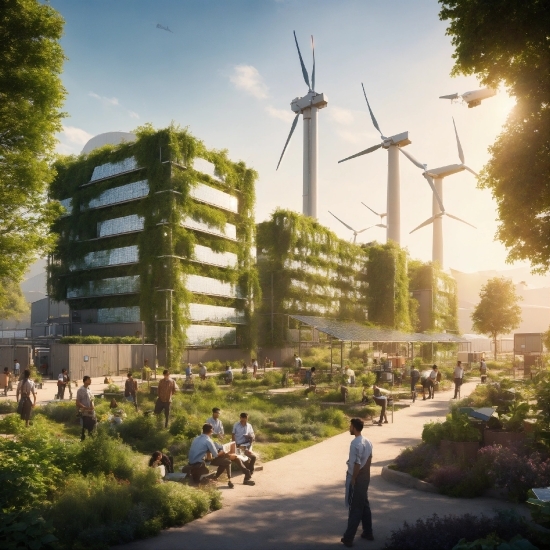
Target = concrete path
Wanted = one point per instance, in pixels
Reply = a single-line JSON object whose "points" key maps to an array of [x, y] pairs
{"points": [[298, 500]]}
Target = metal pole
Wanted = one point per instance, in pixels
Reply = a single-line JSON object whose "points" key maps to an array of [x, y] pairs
{"points": [[272, 321], [142, 344]]}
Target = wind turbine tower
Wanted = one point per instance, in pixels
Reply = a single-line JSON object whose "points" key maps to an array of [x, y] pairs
{"points": [[308, 107], [392, 144], [438, 175]]}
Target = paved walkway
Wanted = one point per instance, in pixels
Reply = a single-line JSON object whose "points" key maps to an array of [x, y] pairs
{"points": [[298, 500]]}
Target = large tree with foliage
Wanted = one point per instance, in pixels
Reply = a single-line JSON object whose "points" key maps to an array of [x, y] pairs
{"points": [[498, 311], [13, 304], [31, 95], [507, 42]]}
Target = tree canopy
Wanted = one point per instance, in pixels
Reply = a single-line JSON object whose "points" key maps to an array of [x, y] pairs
{"points": [[506, 42], [498, 311], [31, 95], [13, 304]]}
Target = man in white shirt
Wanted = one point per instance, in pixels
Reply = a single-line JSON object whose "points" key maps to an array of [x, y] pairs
{"points": [[216, 423], [243, 436], [357, 485], [458, 375], [202, 371], [297, 363], [254, 368], [85, 402], [203, 448], [16, 369]]}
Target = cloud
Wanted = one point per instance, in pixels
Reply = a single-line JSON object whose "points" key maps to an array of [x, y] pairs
{"points": [[248, 79], [282, 114], [103, 99], [133, 114], [76, 135], [341, 116]]}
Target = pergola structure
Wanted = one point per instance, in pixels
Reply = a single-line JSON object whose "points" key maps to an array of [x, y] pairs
{"points": [[347, 331]]}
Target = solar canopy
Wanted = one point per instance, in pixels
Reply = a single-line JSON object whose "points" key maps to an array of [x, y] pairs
{"points": [[348, 331]]}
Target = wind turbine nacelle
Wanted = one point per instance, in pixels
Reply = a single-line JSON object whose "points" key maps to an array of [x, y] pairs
{"points": [[399, 139], [445, 171], [473, 99], [312, 99]]}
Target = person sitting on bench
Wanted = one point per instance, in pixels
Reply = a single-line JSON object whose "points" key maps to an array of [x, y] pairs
{"points": [[203, 448], [243, 436]]}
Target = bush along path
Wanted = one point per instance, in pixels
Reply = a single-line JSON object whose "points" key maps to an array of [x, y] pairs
{"points": [[298, 501]]}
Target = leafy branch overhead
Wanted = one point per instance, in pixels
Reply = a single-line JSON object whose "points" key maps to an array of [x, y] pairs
{"points": [[506, 42]]}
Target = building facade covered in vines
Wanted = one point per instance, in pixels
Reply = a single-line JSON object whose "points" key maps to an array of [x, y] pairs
{"points": [[305, 269], [159, 231]]}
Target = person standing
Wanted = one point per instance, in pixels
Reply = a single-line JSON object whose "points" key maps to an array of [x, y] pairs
{"points": [[458, 376], [5, 380], [382, 401], [254, 368], [357, 485], [429, 378], [130, 390], [228, 375], [16, 369], [23, 396], [85, 403], [62, 380], [297, 363], [483, 371], [415, 377], [243, 436], [202, 371], [166, 389]]}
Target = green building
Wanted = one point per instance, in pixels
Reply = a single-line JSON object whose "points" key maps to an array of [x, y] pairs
{"points": [[436, 295], [158, 233], [305, 269]]}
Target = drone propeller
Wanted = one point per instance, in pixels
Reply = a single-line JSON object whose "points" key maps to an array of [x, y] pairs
{"points": [[292, 128]]}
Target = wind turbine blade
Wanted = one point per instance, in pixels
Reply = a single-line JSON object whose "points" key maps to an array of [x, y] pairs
{"points": [[361, 231], [371, 113], [365, 152], [313, 71], [470, 170], [460, 151], [381, 225], [343, 223], [423, 224], [292, 128], [370, 209], [304, 72], [438, 198], [460, 220], [413, 160]]}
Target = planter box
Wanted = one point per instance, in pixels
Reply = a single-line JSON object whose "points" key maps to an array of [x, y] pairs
{"points": [[506, 439], [529, 425], [463, 450]]}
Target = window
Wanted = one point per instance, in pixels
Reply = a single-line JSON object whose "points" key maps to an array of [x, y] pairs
{"points": [[124, 193], [116, 226], [204, 193], [205, 335], [114, 168]]}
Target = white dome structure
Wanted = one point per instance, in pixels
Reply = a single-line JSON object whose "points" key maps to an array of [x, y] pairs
{"points": [[108, 138]]}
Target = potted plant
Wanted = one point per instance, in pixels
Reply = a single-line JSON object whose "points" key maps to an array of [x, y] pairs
{"points": [[458, 437]]}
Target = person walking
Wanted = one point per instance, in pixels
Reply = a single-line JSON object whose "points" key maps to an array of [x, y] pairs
{"points": [[85, 404], [382, 401], [166, 389], [415, 377], [357, 485], [5, 378], [16, 369], [254, 368], [458, 376], [130, 390], [23, 396], [62, 381], [483, 371]]}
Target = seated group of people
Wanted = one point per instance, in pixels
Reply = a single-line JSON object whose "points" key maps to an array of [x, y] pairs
{"points": [[207, 448]]}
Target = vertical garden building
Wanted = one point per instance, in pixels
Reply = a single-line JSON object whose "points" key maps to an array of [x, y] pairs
{"points": [[157, 230]]}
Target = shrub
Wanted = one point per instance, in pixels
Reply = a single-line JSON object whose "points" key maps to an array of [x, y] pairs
{"points": [[417, 461], [107, 455], [444, 533], [515, 469], [26, 530], [334, 417], [493, 542], [144, 433], [59, 412], [11, 424], [457, 427], [8, 406]]}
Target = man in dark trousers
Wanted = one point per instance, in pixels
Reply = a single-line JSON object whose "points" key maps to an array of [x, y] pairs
{"points": [[357, 485]]}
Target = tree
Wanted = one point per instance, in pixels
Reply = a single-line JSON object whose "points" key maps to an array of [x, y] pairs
{"points": [[13, 304], [506, 42], [498, 311], [31, 95]]}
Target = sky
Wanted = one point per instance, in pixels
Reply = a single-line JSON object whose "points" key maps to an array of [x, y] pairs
{"points": [[228, 71]]}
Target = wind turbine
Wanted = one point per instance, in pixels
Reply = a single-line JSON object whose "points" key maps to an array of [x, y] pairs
{"points": [[393, 145], [355, 233], [382, 216], [438, 175], [308, 107]]}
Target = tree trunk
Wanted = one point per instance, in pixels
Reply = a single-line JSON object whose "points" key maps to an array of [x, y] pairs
{"points": [[495, 343]]}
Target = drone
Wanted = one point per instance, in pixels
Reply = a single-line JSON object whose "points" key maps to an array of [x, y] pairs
{"points": [[473, 98], [159, 26]]}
